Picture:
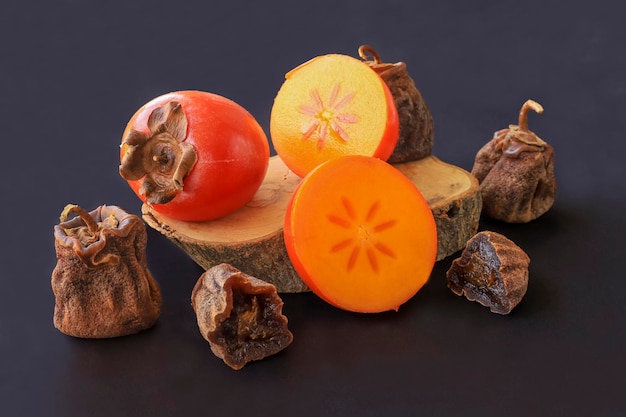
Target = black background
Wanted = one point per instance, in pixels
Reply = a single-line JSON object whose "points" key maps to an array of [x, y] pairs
{"points": [[73, 72]]}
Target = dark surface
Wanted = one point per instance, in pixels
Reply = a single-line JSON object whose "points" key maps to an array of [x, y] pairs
{"points": [[72, 74]]}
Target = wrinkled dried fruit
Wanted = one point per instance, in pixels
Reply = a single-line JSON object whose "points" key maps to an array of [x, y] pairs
{"points": [[491, 270], [416, 137], [516, 172], [239, 315], [101, 281]]}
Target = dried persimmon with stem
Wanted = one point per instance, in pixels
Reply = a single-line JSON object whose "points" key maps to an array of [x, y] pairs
{"points": [[101, 281], [516, 172], [417, 132]]}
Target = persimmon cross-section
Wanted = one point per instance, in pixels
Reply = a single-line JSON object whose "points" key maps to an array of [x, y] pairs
{"points": [[325, 119], [332, 106], [362, 235]]}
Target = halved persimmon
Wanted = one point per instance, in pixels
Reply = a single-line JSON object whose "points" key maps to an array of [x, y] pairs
{"points": [[360, 234], [331, 106]]}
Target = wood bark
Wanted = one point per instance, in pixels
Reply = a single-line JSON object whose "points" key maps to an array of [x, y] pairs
{"points": [[251, 239]]}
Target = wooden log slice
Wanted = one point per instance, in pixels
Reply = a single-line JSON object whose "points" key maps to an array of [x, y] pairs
{"points": [[453, 195], [251, 239]]}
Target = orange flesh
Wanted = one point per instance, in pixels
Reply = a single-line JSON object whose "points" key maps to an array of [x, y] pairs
{"points": [[360, 234], [331, 106]]}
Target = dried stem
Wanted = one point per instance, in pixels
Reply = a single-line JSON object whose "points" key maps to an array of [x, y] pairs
{"points": [[365, 50], [92, 225], [523, 114]]}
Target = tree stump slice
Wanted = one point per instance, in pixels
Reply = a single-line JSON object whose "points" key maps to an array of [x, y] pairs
{"points": [[453, 195], [251, 239]]}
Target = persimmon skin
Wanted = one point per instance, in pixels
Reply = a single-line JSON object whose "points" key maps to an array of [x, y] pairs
{"points": [[390, 137], [233, 155], [331, 106], [360, 234]]}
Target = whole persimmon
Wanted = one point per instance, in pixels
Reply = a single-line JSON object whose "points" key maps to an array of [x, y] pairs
{"points": [[193, 155]]}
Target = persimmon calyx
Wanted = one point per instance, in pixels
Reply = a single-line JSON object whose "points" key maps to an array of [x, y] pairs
{"points": [[162, 158], [518, 138]]}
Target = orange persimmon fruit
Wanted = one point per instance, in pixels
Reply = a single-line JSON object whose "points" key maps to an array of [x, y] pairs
{"points": [[331, 106], [360, 234], [193, 155]]}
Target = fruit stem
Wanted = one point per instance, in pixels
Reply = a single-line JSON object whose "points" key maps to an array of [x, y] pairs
{"points": [[523, 114], [92, 225], [365, 50]]}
